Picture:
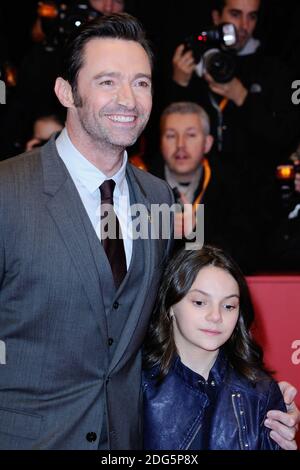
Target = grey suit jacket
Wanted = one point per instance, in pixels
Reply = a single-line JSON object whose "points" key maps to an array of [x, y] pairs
{"points": [[59, 372]]}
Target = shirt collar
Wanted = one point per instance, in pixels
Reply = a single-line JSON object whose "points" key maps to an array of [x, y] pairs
{"points": [[84, 171], [250, 47]]}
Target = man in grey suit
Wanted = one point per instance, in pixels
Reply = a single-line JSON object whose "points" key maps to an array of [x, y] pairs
{"points": [[72, 374], [70, 332]]}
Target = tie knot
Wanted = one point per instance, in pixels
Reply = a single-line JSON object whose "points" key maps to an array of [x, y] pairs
{"points": [[107, 191]]}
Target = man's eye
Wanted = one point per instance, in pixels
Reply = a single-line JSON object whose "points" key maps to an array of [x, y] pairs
{"points": [[143, 84], [106, 83], [191, 135], [253, 17]]}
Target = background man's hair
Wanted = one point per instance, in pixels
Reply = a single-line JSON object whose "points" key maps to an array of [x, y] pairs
{"points": [[218, 5], [188, 107]]}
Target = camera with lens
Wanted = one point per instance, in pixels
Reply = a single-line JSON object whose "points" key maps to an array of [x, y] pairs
{"points": [[283, 241], [285, 175], [212, 51], [59, 20]]}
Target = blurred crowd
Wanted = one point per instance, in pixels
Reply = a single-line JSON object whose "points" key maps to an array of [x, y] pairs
{"points": [[224, 130]]}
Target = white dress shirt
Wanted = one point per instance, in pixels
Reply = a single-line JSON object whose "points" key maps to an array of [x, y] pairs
{"points": [[87, 179]]}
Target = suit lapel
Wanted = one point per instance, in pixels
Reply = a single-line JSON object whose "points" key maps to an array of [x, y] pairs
{"points": [[69, 215], [140, 197]]}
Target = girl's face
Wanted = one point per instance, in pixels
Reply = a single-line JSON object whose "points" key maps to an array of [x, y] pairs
{"points": [[206, 317]]}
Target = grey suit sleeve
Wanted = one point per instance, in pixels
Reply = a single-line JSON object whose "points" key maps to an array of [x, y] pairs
{"points": [[2, 258]]}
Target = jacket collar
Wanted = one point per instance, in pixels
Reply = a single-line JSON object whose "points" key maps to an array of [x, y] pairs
{"points": [[193, 379]]}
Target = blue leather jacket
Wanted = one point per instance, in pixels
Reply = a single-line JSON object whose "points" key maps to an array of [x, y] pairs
{"points": [[226, 412]]}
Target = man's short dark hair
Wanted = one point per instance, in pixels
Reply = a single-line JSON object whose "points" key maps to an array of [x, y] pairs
{"points": [[218, 5], [116, 26]]}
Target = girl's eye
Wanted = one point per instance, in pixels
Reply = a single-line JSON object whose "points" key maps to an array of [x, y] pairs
{"points": [[198, 303], [230, 307]]}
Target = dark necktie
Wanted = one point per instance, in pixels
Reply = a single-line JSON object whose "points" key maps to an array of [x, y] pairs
{"points": [[111, 234]]}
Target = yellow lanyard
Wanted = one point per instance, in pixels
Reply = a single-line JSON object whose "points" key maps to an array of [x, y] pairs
{"points": [[207, 176], [223, 104]]}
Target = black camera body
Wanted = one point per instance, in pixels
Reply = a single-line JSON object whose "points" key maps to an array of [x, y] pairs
{"points": [[285, 176], [59, 19], [212, 51]]}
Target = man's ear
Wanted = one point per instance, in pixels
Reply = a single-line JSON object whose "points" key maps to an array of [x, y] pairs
{"points": [[215, 14], [209, 140], [63, 92]]}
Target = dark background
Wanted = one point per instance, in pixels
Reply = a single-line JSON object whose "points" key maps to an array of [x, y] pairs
{"points": [[167, 21]]}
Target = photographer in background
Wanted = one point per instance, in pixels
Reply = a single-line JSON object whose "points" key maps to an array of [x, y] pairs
{"points": [[256, 101], [283, 241], [185, 162], [254, 122], [91, 7], [244, 17]]}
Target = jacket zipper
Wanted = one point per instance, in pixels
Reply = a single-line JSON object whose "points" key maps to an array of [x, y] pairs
{"points": [[241, 427], [237, 416], [193, 436]]}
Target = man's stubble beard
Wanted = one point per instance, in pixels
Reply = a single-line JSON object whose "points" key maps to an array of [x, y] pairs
{"points": [[101, 134], [104, 137]]}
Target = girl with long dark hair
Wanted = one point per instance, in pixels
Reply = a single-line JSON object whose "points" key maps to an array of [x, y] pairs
{"points": [[204, 382]]}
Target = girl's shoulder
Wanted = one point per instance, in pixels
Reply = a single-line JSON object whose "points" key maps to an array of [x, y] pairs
{"points": [[261, 387], [150, 374]]}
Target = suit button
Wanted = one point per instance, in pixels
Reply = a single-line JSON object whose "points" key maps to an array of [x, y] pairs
{"points": [[110, 341], [91, 436], [116, 305]]}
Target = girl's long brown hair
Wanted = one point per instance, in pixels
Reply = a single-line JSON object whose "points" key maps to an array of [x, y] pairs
{"points": [[244, 354]]}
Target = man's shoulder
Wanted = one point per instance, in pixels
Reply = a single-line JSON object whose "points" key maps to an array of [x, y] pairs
{"points": [[20, 163], [146, 177], [21, 172], [154, 187]]}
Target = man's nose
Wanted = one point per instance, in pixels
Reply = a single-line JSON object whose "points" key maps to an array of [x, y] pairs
{"points": [[126, 96], [180, 141], [245, 23]]}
